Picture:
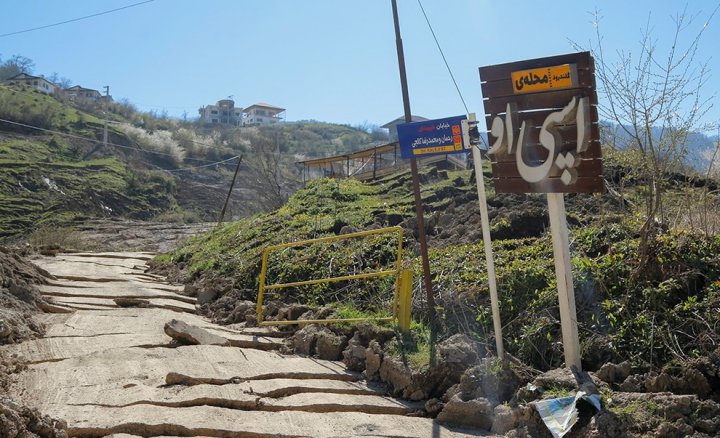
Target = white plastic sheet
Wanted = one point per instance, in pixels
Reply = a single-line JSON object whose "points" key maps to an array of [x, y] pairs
{"points": [[560, 414]]}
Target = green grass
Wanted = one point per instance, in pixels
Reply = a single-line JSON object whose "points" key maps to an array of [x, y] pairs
{"points": [[621, 316], [46, 183], [32, 107]]}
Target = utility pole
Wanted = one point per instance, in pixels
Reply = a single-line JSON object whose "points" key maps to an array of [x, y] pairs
{"points": [[416, 181], [232, 184], [105, 134]]}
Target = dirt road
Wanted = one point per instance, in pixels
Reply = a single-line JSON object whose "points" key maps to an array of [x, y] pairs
{"points": [[109, 369]]}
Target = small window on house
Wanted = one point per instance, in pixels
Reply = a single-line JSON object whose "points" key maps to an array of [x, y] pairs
{"points": [[214, 120], [34, 82], [213, 112]]}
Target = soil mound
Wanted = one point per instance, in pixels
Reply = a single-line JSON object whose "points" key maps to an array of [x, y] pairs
{"points": [[19, 298]]}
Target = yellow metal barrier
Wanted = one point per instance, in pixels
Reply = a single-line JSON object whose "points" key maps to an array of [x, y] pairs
{"points": [[401, 295]]}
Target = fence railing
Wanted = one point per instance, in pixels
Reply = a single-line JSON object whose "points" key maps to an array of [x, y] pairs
{"points": [[402, 293]]}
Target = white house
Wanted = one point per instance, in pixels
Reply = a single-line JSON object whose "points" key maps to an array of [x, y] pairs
{"points": [[37, 82], [392, 126], [224, 112], [263, 114]]}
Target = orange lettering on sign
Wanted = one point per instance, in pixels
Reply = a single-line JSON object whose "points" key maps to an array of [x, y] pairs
{"points": [[544, 79]]}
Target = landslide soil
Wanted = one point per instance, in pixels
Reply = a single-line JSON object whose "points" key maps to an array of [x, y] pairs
{"points": [[19, 301]]}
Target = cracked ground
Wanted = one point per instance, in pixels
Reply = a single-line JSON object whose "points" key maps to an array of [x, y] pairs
{"points": [[107, 368]]}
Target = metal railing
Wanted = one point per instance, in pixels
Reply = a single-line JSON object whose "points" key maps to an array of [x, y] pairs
{"points": [[402, 291]]}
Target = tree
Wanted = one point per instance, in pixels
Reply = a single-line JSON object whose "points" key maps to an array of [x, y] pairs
{"points": [[60, 81], [270, 179], [15, 65], [656, 99]]}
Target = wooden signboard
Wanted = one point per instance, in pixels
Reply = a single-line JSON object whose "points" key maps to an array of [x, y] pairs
{"points": [[542, 122]]}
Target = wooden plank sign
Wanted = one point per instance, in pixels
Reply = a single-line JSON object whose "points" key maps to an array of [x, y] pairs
{"points": [[542, 120]]}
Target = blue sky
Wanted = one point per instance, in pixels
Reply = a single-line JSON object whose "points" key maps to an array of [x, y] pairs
{"points": [[329, 60]]}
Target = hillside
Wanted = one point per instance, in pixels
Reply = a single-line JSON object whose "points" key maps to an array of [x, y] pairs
{"points": [[60, 174], [648, 332], [52, 179], [604, 246]]}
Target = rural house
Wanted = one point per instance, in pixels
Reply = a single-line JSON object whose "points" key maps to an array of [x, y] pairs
{"points": [[79, 93], [37, 82], [224, 112], [263, 114]]}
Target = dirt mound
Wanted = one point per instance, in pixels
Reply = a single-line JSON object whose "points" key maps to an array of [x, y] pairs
{"points": [[19, 298], [21, 421]]}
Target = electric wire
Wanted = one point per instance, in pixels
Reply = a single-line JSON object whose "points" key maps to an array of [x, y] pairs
{"points": [[95, 141], [113, 122], [447, 65], [427, 20], [200, 167], [74, 19]]}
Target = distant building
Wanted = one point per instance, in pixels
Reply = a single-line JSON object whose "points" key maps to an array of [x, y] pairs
{"points": [[392, 126], [79, 93], [37, 82], [263, 114], [224, 113]]}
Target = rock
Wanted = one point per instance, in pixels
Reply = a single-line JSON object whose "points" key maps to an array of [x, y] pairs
{"points": [[476, 413], [305, 339], [605, 424], [455, 355], [52, 308], [131, 302], [557, 378], [433, 407], [633, 383], [271, 309], [450, 393], [329, 346], [679, 429], [396, 373], [458, 349], [492, 379], [414, 394], [505, 419], [689, 381], [373, 360], [5, 330], [21, 421], [611, 373], [190, 290], [206, 295], [354, 354], [294, 311], [368, 332], [181, 379], [189, 334]]}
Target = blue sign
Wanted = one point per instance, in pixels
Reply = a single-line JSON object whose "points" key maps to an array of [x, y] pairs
{"points": [[432, 137]]}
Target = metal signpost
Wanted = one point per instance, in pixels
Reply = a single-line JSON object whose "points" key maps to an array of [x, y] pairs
{"points": [[431, 137], [427, 279], [542, 115], [451, 136]]}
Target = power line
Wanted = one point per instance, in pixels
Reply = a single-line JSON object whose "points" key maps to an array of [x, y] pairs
{"points": [[212, 146], [200, 167], [452, 76], [95, 140], [467, 111], [213, 163], [75, 19]]}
